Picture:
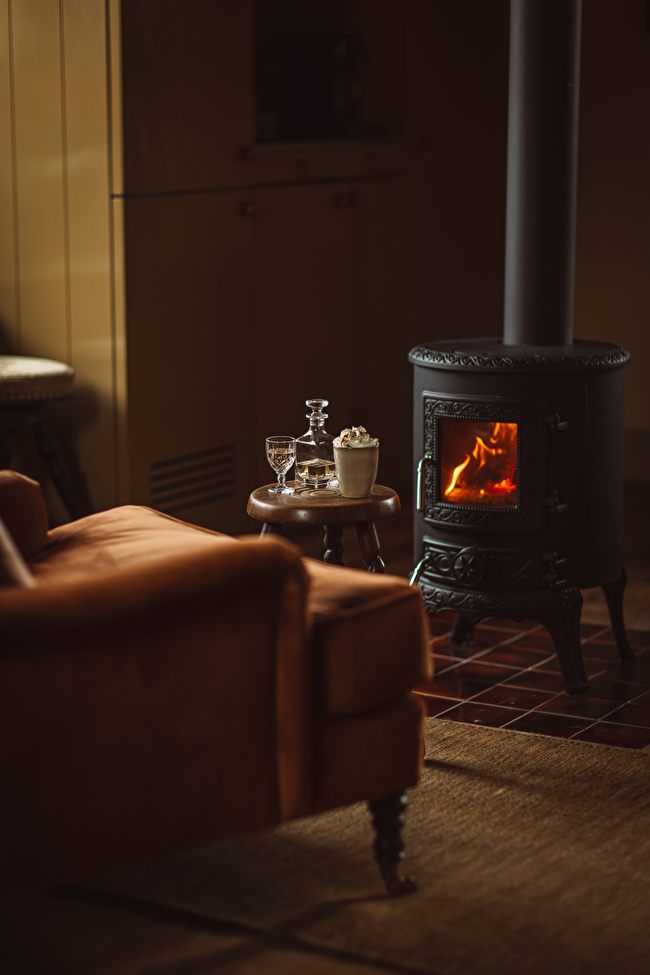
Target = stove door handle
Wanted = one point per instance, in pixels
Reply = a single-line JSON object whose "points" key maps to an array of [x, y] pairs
{"points": [[419, 483]]}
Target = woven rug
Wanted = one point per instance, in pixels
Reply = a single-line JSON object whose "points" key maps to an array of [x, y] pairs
{"points": [[532, 855]]}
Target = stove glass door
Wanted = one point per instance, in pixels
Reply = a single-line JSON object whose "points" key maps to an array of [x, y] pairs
{"points": [[478, 463]]}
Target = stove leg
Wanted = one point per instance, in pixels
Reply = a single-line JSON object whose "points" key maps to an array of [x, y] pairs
{"points": [[463, 629], [564, 626], [614, 596]]}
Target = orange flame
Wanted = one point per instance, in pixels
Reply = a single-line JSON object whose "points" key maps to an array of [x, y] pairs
{"points": [[496, 457]]}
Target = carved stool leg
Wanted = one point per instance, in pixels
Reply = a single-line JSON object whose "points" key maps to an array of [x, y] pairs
{"points": [[369, 545], [268, 529], [614, 596], [388, 819], [333, 544], [463, 629], [564, 627]]}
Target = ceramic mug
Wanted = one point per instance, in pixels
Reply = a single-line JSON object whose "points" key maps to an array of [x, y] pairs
{"points": [[356, 470]]}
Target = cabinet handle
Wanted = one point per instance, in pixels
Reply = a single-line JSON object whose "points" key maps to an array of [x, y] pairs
{"points": [[247, 209]]}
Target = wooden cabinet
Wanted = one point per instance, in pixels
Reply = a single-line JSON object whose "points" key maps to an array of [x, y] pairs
{"points": [[187, 93], [191, 429], [329, 309]]}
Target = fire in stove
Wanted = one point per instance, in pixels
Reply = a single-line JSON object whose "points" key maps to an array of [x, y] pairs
{"points": [[478, 463]]}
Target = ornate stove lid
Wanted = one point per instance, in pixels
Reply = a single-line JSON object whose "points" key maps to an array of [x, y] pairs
{"points": [[491, 355]]}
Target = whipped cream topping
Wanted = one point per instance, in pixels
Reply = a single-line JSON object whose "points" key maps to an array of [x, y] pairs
{"points": [[355, 437]]}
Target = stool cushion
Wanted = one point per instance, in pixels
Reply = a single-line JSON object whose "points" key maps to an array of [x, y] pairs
{"points": [[370, 637], [25, 378]]}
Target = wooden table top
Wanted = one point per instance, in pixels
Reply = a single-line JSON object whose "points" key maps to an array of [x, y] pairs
{"points": [[320, 506]]}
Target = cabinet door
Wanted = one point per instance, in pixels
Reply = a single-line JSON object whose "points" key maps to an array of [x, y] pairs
{"points": [[187, 84], [382, 333], [302, 299], [191, 416]]}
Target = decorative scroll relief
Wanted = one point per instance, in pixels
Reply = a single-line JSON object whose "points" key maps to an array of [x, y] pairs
{"points": [[470, 566], [424, 355], [522, 605], [527, 514]]}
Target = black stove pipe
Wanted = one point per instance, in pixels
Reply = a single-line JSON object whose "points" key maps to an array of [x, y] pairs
{"points": [[542, 169]]}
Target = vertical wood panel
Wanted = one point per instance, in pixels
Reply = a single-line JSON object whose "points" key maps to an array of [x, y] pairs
{"points": [[114, 27], [87, 177], [118, 309], [40, 178], [9, 323]]}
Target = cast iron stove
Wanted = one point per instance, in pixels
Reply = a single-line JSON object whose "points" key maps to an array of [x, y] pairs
{"points": [[519, 442]]}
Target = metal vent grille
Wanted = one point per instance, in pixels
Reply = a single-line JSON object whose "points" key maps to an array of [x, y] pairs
{"points": [[194, 480]]}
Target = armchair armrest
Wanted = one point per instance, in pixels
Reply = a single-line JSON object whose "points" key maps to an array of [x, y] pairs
{"points": [[23, 511], [152, 708]]}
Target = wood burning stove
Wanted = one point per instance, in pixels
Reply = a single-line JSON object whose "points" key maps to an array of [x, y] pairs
{"points": [[518, 442]]}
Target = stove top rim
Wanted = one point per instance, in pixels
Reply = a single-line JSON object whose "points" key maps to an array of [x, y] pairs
{"points": [[492, 355]]}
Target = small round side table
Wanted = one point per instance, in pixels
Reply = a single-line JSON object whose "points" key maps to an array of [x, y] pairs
{"points": [[327, 508]]}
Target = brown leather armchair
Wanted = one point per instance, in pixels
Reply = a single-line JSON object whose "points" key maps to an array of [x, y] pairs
{"points": [[163, 686]]}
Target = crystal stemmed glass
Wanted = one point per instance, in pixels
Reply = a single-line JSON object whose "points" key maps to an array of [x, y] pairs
{"points": [[281, 453]]}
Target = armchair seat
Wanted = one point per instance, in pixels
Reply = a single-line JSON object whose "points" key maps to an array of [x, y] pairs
{"points": [[163, 685]]}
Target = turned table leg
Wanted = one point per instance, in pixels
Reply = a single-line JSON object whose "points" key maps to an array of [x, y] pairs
{"points": [[369, 545], [333, 544], [268, 529]]}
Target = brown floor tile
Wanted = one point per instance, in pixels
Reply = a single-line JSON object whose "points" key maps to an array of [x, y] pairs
{"points": [[616, 688], [636, 714], [616, 734], [561, 726], [513, 656], [436, 705], [442, 663], [514, 697], [537, 680], [486, 714], [485, 673], [437, 627], [537, 640], [462, 651], [637, 671], [592, 667], [578, 705], [450, 684], [588, 630], [506, 624], [638, 639], [598, 650]]}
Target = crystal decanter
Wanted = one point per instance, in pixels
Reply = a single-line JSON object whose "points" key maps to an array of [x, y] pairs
{"points": [[315, 451]]}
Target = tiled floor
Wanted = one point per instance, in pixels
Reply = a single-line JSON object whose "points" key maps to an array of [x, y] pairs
{"points": [[508, 676]]}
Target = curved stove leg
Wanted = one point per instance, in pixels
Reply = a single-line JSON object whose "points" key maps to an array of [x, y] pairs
{"points": [[614, 596], [564, 627]]}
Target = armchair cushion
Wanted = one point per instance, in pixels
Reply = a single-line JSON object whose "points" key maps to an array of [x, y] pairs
{"points": [[370, 638]]}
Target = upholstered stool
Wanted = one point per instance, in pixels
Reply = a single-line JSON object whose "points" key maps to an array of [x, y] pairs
{"points": [[27, 386]]}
